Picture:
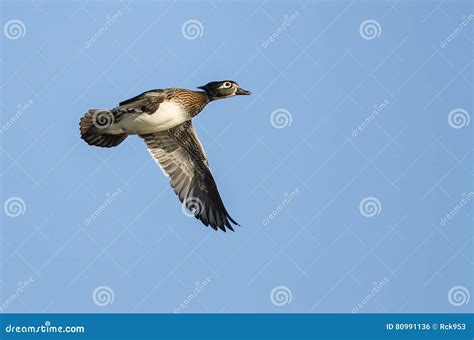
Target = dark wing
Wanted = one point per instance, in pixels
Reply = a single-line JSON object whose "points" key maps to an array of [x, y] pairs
{"points": [[181, 156], [147, 102]]}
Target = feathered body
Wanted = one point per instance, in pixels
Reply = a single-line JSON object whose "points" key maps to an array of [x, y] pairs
{"points": [[163, 119]]}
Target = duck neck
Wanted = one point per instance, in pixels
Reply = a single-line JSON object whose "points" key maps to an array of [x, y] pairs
{"points": [[199, 102]]}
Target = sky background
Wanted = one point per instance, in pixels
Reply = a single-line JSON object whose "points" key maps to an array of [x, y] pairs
{"points": [[340, 167]]}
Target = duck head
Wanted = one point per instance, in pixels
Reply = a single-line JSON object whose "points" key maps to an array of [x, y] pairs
{"points": [[223, 89]]}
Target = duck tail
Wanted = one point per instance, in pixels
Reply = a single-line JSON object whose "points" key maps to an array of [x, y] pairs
{"points": [[93, 127]]}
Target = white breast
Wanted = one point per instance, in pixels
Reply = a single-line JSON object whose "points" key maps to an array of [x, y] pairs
{"points": [[168, 115]]}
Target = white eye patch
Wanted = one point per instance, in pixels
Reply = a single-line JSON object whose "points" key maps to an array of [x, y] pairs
{"points": [[226, 85]]}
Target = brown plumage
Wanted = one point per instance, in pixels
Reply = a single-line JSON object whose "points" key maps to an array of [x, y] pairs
{"points": [[180, 154], [163, 119]]}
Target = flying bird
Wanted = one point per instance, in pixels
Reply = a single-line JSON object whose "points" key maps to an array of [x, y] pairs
{"points": [[163, 118]]}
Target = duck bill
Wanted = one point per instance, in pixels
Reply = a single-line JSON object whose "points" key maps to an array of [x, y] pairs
{"points": [[241, 91]]}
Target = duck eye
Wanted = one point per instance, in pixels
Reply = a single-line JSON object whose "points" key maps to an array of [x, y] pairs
{"points": [[227, 84]]}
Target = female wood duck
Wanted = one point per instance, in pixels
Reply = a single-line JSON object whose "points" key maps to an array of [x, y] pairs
{"points": [[163, 118]]}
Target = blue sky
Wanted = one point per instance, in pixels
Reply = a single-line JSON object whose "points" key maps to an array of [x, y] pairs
{"points": [[341, 167]]}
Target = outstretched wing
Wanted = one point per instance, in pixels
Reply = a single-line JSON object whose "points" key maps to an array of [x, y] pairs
{"points": [[181, 156]]}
